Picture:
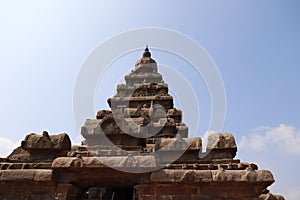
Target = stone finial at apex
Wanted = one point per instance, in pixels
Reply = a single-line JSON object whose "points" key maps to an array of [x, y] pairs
{"points": [[146, 58], [139, 149], [146, 53]]}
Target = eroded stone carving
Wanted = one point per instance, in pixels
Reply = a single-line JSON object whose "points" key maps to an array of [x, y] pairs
{"points": [[142, 132], [34, 142]]}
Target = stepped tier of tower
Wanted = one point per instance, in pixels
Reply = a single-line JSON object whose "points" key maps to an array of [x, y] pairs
{"points": [[137, 150], [141, 111]]}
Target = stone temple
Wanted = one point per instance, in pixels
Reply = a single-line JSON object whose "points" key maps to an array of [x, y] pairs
{"points": [[138, 150]]}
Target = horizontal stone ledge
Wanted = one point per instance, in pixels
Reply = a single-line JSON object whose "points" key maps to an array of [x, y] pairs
{"points": [[142, 98], [247, 175], [204, 176], [25, 175], [25, 165], [111, 162], [167, 175]]}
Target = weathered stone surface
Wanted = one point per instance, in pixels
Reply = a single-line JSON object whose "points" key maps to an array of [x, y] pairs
{"points": [[44, 141], [179, 143], [41, 147], [242, 176], [270, 196], [137, 150], [221, 141], [19, 154], [67, 191], [37, 175], [231, 191], [220, 146], [98, 162], [102, 113], [194, 176], [220, 175]]}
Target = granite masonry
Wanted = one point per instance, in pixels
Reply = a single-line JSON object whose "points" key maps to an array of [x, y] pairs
{"points": [[138, 150]]}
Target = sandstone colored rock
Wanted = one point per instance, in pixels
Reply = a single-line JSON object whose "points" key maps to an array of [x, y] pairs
{"points": [[44, 142], [137, 150], [104, 162]]}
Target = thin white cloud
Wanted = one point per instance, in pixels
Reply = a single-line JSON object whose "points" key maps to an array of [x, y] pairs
{"points": [[285, 137], [7, 146], [293, 195], [276, 149]]}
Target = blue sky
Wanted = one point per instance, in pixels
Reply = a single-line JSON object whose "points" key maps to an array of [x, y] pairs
{"points": [[255, 45]]}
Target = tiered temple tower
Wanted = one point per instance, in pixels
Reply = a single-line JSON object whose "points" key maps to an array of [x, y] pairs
{"points": [[141, 111], [138, 150]]}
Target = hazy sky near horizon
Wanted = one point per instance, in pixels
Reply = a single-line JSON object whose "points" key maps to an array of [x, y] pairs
{"points": [[254, 44]]}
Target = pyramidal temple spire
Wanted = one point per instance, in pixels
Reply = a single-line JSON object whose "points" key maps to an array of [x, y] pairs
{"points": [[139, 149], [146, 58], [146, 53]]}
